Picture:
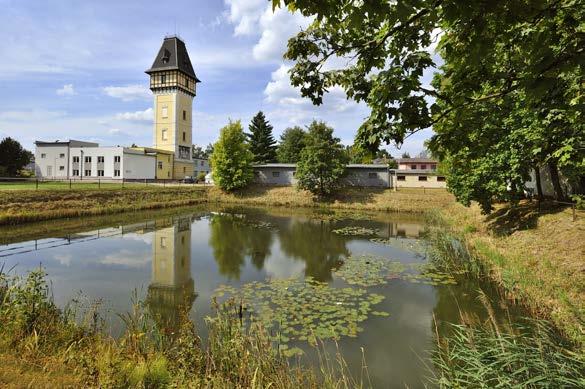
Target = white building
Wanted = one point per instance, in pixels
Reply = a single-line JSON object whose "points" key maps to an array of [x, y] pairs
{"points": [[80, 160]]}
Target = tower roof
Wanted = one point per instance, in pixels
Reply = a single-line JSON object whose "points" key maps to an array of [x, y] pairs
{"points": [[173, 56]]}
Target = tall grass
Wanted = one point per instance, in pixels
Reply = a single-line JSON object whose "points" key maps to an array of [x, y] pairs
{"points": [[42, 336]]}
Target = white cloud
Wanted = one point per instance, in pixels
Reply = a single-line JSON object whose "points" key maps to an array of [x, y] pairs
{"points": [[128, 92], [127, 258], [245, 14], [146, 115], [30, 116], [67, 90]]}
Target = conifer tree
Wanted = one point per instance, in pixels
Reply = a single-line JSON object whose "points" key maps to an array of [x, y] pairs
{"points": [[260, 139]]}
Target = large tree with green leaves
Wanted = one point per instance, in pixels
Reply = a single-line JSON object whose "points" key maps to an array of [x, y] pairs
{"points": [[292, 142], [231, 160], [13, 157], [508, 97], [260, 139], [322, 162]]}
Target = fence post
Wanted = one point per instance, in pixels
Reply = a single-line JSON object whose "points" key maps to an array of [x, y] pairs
{"points": [[70, 183], [37, 183]]}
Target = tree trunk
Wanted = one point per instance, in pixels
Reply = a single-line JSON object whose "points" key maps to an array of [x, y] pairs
{"points": [[539, 195], [556, 182]]}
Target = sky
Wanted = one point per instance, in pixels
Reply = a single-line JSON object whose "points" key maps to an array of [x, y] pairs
{"points": [[74, 69]]}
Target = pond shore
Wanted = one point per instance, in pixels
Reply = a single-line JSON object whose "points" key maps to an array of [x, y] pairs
{"points": [[22, 206], [537, 257]]}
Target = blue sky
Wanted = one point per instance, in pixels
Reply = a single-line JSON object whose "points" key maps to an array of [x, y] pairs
{"points": [[75, 69]]}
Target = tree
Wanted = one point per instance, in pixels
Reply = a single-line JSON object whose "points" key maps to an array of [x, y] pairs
{"points": [[231, 160], [405, 155], [260, 139], [292, 142], [510, 85], [322, 162], [13, 157], [209, 150], [197, 152]]}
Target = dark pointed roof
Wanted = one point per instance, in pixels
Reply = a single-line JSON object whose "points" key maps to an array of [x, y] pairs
{"points": [[173, 56]]}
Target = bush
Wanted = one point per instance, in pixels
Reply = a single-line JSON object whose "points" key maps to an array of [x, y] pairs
{"points": [[322, 162], [231, 159]]}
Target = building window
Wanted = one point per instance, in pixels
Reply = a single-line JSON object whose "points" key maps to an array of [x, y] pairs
{"points": [[413, 167], [61, 168], [163, 242], [43, 155], [62, 155], [163, 134], [75, 172], [117, 158], [423, 167], [100, 173], [441, 179], [372, 175], [202, 163], [184, 152], [100, 159], [88, 159], [116, 173], [401, 178], [75, 159], [422, 178], [275, 174], [88, 173], [163, 78], [160, 165], [184, 136], [184, 115], [165, 112]]}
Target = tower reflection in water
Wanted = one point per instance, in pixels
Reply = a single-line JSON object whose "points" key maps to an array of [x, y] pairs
{"points": [[171, 292]]}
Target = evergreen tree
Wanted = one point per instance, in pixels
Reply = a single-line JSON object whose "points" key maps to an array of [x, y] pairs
{"points": [[322, 162], [260, 139], [13, 157], [292, 142], [231, 160]]}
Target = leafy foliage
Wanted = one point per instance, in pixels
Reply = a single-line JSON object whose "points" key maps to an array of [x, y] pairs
{"points": [[292, 142], [231, 160], [322, 162], [507, 99], [260, 139], [13, 157]]}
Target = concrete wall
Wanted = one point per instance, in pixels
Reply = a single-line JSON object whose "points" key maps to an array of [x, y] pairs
{"points": [[275, 175], [374, 177], [406, 180], [52, 161]]}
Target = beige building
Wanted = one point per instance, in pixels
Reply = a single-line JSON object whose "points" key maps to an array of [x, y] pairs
{"points": [[174, 84]]}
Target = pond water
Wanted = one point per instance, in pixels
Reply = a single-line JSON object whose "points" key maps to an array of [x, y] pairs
{"points": [[363, 279]]}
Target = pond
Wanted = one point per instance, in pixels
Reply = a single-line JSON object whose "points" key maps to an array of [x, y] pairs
{"points": [[363, 280]]}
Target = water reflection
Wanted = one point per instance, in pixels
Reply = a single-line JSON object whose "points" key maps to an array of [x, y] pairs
{"points": [[171, 291]]}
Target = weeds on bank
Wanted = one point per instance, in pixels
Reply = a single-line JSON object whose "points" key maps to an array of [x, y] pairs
{"points": [[43, 336]]}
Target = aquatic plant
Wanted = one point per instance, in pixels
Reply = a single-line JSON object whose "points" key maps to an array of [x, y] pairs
{"points": [[303, 309], [356, 231]]}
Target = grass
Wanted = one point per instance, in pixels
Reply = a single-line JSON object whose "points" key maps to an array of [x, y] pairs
{"points": [[536, 258], [35, 205], [44, 346], [21, 206]]}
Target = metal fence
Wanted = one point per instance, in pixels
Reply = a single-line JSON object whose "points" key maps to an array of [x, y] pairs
{"points": [[77, 183]]}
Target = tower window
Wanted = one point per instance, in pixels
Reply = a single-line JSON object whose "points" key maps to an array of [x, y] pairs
{"points": [[184, 115], [163, 78], [165, 112], [184, 136], [164, 134]]}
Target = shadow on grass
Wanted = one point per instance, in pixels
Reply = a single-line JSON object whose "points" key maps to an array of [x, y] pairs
{"points": [[524, 216]]}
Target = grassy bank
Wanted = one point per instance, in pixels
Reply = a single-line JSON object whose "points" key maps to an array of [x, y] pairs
{"points": [[44, 346], [21, 206], [536, 257]]}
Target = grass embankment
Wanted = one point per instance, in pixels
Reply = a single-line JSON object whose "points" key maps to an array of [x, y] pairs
{"points": [[412, 200], [18, 206], [537, 258], [44, 346]]}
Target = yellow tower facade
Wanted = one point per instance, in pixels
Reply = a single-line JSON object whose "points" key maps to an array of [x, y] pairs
{"points": [[174, 85]]}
